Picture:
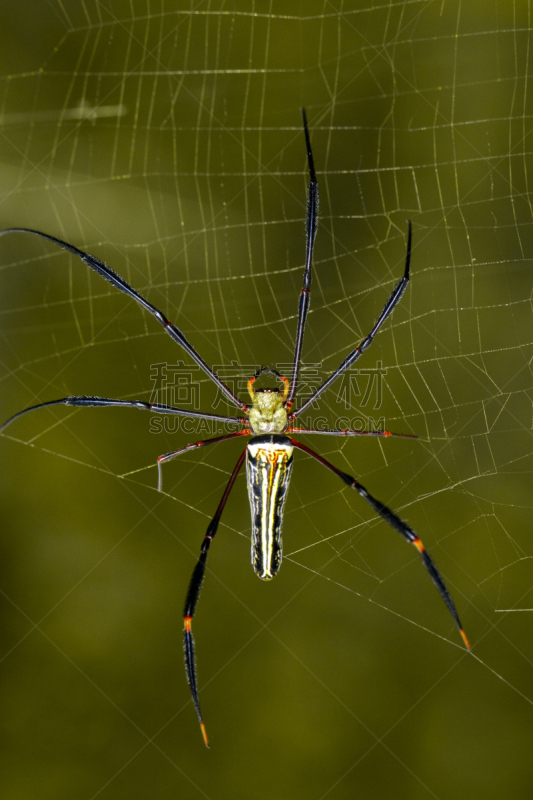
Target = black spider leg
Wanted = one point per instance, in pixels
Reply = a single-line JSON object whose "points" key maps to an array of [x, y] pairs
{"points": [[119, 283], [311, 222], [194, 446], [350, 359], [156, 408], [193, 594], [398, 524]]}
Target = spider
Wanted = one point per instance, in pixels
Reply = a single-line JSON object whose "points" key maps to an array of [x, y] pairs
{"points": [[269, 421]]}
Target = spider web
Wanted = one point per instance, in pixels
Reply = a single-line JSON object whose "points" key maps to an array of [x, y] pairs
{"points": [[167, 141]]}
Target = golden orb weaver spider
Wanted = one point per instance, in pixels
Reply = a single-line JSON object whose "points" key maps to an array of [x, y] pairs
{"points": [[269, 453]]}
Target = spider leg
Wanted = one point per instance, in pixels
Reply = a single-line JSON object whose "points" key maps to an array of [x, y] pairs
{"points": [[328, 432], [157, 408], [398, 524], [193, 594], [352, 357], [168, 456], [311, 223], [119, 283]]}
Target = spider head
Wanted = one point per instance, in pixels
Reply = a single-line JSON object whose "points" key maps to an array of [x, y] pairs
{"points": [[268, 413]]}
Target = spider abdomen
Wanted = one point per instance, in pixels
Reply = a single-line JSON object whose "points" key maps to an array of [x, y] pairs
{"points": [[268, 471]]}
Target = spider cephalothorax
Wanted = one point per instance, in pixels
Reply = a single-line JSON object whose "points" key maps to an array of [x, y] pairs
{"points": [[268, 412]]}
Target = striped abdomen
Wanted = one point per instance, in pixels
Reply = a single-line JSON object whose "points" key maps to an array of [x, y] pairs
{"points": [[268, 472]]}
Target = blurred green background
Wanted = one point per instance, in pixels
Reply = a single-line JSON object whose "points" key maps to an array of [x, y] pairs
{"points": [[166, 138]]}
